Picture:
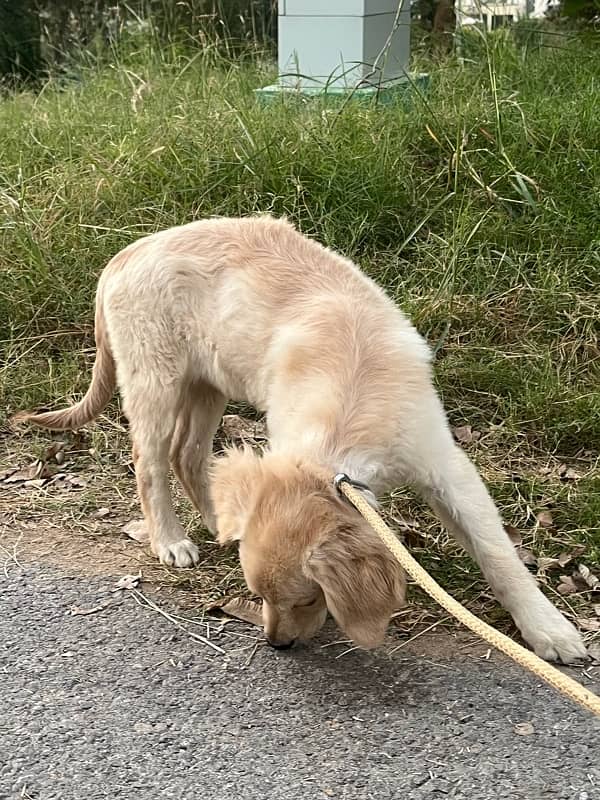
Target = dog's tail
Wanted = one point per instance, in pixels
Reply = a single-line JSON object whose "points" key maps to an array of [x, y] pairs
{"points": [[98, 395]]}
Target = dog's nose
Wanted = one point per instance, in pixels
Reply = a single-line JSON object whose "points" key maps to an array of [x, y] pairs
{"points": [[279, 645]]}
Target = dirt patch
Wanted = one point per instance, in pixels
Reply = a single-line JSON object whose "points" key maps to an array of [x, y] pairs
{"points": [[90, 550], [90, 547], [76, 522]]}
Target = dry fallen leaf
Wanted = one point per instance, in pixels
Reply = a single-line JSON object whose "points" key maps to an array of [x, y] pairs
{"points": [[564, 559], [241, 608], [524, 728], [38, 474], [567, 585], [136, 529], [548, 562], [594, 652], [567, 473], [75, 482], [128, 582], [38, 483], [545, 563], [544, 519], [513, 534], [591, 580], [597, 609], [588, 624], [101, 513], [465, 434], [35, 471], [527, 557]]}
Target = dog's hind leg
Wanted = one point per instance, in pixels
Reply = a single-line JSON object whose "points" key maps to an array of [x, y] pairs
{"points": [[152, 409], [191, 449], [453, 488]]}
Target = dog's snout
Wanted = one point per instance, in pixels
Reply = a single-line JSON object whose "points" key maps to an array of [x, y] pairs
{"points": [[279, 644]]}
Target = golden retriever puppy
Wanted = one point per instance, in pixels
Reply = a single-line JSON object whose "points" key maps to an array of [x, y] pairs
{"points": [[250, 310]]}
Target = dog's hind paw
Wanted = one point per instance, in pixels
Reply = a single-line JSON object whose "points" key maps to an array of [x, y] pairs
{"points": [[183, 553]]}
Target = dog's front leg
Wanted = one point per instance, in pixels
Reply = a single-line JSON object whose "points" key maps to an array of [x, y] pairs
{"points": [[452, 486]]}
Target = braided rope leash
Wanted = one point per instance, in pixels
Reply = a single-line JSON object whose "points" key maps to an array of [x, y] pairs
{"points": [[558, 680]]}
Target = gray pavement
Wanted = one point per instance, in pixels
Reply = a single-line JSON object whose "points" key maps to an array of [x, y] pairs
{"points": [[121, 704]]}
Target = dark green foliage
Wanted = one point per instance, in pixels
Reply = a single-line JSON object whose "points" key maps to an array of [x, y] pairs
{"points": [[20, 53]]}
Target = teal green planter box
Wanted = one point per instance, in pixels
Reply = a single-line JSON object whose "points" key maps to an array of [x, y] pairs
{"points": [[400, 91]]}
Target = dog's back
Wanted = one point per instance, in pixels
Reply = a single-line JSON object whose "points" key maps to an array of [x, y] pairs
{"points": [[238, 300]]}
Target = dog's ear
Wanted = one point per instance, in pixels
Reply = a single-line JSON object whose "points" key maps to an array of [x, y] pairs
{"points": [[235, 479], [362, 582]]}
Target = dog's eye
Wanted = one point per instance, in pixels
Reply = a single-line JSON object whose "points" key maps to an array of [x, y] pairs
{"points": [[307, 605]]}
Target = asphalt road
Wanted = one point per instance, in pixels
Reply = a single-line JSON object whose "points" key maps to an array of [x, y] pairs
{"points": [[122, 704]]}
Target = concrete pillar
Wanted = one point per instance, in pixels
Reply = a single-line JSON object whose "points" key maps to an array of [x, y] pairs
{"points": [[343, 43]]}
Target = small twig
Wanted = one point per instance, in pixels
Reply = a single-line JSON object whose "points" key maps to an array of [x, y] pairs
{"points": [[11, 556], [338, 641], [252, 654], [416, 636], [142, 599], [77, 611], [221, 629], [346, 651]]}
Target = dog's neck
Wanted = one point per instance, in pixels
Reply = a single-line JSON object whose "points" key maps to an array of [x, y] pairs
{"points": [[360, 467], [360, 464]]}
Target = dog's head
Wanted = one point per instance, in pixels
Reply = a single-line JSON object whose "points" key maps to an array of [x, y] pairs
{"points": [[304, 550]]}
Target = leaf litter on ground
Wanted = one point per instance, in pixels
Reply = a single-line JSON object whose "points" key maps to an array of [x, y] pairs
{"points": [[526, 556], [581, 579], [240, 608], [236, 429], [544, 519], [38, 475], [465, 434], [137, 530], [128, 582]]}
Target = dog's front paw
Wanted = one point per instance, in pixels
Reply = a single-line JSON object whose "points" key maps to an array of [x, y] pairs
{"points": [[554, 638], [183, 553]]}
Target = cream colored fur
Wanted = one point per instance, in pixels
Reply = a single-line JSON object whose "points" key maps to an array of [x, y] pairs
{"points": [[250, 310]]}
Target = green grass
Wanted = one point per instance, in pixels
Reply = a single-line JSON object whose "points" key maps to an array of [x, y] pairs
{"points": [[478, 208]]}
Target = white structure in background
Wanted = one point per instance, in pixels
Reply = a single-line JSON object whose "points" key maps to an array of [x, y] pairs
{"points": [[496, 14], [342, 43], [490, 15], [541, 7]]}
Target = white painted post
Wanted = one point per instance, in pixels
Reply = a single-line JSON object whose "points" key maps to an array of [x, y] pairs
{"points": [[341, 45]]}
